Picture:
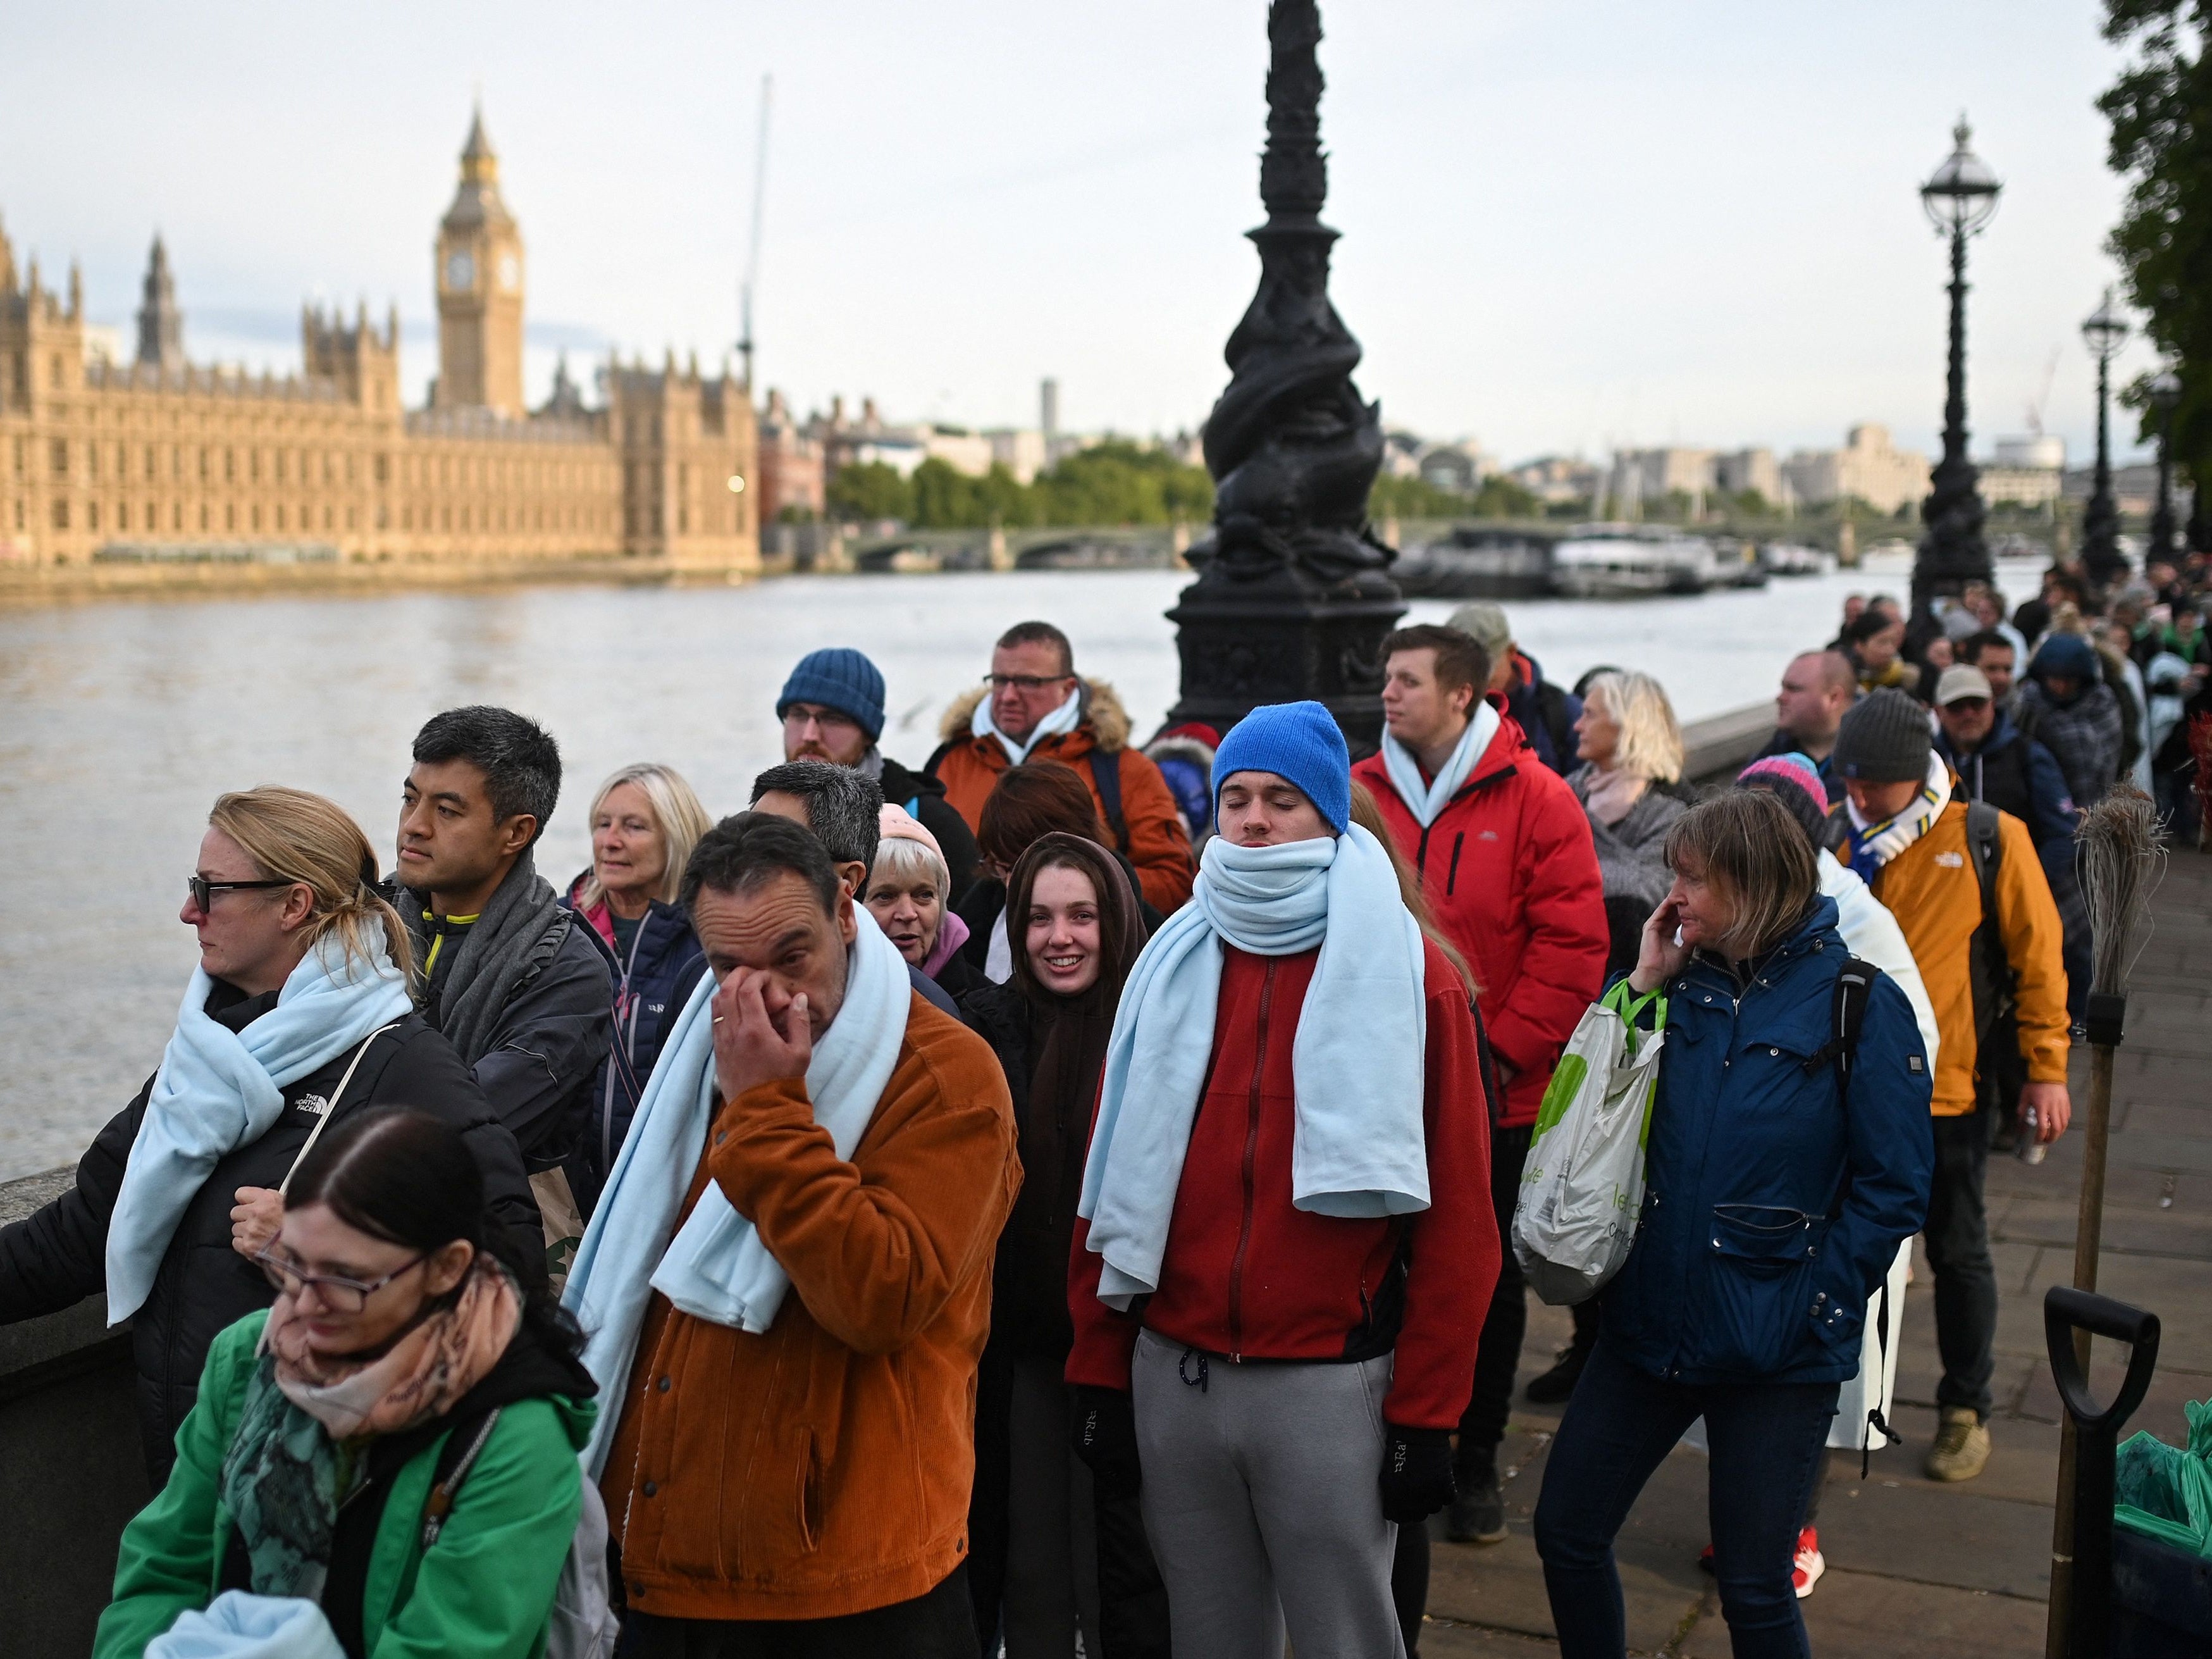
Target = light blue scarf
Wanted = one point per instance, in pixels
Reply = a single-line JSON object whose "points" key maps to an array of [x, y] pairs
{"points": [[239, 1624], [1065, 718], [716, 1268], [1426, 801], [1359, 1146], [218, 1090]]}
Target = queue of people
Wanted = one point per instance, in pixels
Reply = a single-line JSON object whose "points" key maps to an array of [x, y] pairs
{"points": [[988, 1225]]}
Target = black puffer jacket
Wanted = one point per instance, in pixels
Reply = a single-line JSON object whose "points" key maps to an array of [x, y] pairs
{"points": [[57, 1257]]}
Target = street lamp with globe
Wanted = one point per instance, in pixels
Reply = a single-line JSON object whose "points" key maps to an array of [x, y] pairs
{"points": [[2165, 393], [2104, 333], [1960, 199]]}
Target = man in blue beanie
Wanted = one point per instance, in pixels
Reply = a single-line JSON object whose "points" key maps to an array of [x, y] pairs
{"points": [[1289, 1164], [832, 709]]}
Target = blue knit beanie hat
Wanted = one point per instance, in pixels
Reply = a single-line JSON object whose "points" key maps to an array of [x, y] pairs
{"points": [[1297, 740], [840, 678], [2068, 655]]}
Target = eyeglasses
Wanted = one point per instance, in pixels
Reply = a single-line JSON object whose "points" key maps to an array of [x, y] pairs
{"points": [[339, 1293], [799, 714], [1027, 682], [204, 891]]}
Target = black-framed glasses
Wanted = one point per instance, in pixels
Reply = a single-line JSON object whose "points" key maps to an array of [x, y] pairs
{"points": [[204, 891], [1027, 682], [339, 1293]]}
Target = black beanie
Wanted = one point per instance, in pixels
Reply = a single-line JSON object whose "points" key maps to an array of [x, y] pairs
{"points": [[1884, 739]]}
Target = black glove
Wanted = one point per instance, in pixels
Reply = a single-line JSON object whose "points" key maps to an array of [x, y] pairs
{"points": [[1417, 1474], [1103, 1428]]}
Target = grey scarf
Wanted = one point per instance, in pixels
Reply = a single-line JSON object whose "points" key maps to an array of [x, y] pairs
{"points": [[495, 951]]}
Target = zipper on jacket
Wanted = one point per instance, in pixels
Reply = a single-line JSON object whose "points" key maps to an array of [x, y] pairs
{"points": [[1251, 1158], [1451, 877], [1421, 854]]}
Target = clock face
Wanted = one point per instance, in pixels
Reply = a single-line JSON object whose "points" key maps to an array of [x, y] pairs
{"points": [[510, 272], [460, 271]]}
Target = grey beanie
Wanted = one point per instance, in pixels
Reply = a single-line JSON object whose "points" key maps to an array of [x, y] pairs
{"points": [[1884, 739]]}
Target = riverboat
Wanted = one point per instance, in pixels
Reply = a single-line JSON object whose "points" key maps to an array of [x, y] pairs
{"points": [[1632, 561]]}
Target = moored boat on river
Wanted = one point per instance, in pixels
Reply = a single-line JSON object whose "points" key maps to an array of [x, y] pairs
{"points": [[1632, 561]]}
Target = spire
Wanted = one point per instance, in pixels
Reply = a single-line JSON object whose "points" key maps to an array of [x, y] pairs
{"points": [[160, 325], [479, 165]]}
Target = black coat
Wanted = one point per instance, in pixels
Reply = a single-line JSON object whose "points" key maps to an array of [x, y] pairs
{"points": [[651, 988], [56, 1256]]}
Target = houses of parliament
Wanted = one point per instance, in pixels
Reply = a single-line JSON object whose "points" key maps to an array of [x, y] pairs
{"points": [[162, 461]]}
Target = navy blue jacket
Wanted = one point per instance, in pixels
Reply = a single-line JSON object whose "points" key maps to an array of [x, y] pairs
{"points": [[2016, 774], [1772, 1207], [651, 988]]}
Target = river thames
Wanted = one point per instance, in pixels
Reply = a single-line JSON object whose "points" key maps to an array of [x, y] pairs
{"points": [[125, 718]]}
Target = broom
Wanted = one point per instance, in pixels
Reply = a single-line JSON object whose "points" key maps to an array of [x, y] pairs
{"points": [[2119, 851]]}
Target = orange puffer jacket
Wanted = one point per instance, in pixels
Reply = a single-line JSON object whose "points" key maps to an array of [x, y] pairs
{"points": [[1933, 891], [970, 766], [824, 1468]]}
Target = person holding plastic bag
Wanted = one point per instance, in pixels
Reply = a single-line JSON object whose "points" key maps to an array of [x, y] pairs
{"points": [[1775, 1192], [385, 1461]]}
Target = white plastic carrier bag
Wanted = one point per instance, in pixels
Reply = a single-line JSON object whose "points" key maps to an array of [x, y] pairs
{"points": [[1582, 1185]]}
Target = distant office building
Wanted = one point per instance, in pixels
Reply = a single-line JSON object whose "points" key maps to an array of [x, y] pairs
{"points": [[1650, 476], [1755, 470], [2135, 490], [1868, 468], [1556, 480], [791, 478], [158, 459], [1049, 409], [1459, 467], [2027, 471], [1019, 450]]}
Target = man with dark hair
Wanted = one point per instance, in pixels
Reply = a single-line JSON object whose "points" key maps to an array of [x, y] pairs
{"points": [[1816, 688], [1037, 708], [832, 709], [524, 995], [788, 1284], [1998, 659], [1504, 856], [844, 809]]}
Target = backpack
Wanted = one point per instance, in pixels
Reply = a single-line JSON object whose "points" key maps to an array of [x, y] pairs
{"points": [[1989, 967], [582, 1622]]}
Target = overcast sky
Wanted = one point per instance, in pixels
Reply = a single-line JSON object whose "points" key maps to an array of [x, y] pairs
{"points": [[1567, 227]]}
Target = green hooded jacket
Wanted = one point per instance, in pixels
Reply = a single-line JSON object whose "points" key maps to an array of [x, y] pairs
{"points": [[484, 1591]]}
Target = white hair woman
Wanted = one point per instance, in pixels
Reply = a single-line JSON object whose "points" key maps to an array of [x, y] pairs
{"points": [[645, 820], [908, 894], [296, 1018]]}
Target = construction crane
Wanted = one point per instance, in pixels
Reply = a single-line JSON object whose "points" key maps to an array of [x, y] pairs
{"points": [[2042, 397], [752, 253]]}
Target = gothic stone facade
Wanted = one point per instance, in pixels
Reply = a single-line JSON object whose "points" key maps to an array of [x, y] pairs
{"points": [[162, 461]]}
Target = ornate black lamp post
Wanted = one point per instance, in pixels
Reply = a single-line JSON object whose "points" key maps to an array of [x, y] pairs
{"points": [[2105, 333], [1959, 198], [1293, 593], [2165, 393]]}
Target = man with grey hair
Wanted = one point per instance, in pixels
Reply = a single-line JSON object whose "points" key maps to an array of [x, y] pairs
{"points": [[844, 808]]}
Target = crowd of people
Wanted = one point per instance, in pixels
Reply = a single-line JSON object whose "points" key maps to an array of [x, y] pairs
{"points": [[1055, 1192]]}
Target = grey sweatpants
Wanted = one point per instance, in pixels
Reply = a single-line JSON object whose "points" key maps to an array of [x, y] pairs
{"points": [[1261, 1502]]}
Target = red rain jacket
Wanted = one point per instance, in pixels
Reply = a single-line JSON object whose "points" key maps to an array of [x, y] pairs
{"points": [[1510, 873], [1247, 1277]]}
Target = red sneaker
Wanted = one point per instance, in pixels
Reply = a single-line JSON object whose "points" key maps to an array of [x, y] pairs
{"points": [[1810, 1562], [1705, 1559]]}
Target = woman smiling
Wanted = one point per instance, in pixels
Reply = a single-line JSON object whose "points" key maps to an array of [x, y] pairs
{"points": [[1037, 1535]]}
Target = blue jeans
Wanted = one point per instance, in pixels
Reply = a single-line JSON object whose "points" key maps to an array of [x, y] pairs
{"points": [[1767, 1439]]}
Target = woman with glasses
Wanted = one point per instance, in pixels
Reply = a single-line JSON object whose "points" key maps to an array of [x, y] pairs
{"points": [[296, 1018], [391, 1447]]}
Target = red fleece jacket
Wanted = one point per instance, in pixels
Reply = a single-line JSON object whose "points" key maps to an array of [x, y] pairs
{"points": [[1511, 874], [1247, 1277]]}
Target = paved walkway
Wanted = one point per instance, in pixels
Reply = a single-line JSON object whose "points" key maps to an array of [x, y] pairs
{"points": [[1915, 1568]]}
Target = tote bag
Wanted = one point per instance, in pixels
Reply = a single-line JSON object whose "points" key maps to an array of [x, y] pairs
{"points": [[1583, 1184]]}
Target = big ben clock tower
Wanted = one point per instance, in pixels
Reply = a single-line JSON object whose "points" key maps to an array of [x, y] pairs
{"points": [[479, 273]]}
